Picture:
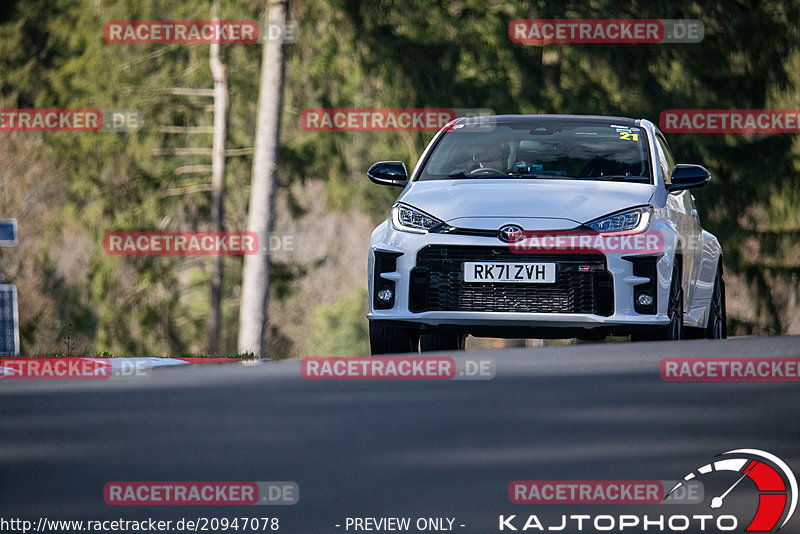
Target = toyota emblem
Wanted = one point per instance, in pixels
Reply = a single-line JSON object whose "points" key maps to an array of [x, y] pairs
{"points": [[510, 233]]}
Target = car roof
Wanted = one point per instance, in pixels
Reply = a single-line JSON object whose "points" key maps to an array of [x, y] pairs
{"points": [[510, 119]]}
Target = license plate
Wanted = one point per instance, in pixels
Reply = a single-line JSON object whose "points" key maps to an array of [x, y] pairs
{"points": [[524, 273]]}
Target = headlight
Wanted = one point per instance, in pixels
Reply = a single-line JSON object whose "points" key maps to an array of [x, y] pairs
{"points": [[633, 220], [411, 219]]}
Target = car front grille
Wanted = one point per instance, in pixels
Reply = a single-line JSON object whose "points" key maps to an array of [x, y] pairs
{"points": [[437, 283]]}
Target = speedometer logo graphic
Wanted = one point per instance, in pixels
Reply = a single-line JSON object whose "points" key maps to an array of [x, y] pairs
{"points": [[776, 484]]}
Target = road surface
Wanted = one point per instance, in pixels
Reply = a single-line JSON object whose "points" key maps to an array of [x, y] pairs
{"points": [[379, 449]]}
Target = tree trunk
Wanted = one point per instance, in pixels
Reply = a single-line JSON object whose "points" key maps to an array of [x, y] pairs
{"points": [[220, 75], [255, 278]]}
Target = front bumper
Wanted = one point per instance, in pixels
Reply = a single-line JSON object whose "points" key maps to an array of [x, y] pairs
{"points": [[601, 298]]}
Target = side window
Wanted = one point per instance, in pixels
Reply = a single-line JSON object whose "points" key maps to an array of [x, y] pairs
{"points": [[666, 158]]}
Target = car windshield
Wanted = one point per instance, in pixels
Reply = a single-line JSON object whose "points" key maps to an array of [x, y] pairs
{"points": [[540, 150]]}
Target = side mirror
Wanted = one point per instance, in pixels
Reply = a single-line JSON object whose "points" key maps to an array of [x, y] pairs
{"points": [[688, 177], [389, 173]]}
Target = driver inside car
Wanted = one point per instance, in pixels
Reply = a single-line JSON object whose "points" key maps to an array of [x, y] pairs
{"points": [[487, 157]]}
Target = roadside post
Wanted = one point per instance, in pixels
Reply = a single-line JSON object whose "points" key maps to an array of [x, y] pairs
{"points": [[9, 313]]}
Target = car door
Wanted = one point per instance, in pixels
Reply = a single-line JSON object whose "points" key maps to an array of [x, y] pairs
{"points": [[684, 215]]}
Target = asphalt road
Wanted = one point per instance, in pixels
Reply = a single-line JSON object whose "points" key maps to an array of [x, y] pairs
{"points": [[412, 449]]}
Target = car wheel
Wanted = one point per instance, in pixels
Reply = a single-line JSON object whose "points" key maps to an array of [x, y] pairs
{"points": [[390, 339], [438, 340], [717, 318], [675, 329], [674, 308]]}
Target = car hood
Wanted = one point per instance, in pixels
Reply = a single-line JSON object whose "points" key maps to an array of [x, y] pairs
{"points": [[575, 200]]}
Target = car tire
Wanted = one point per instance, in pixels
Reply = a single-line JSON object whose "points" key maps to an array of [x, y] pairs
{"points": [[717, 317], [438, 340], [386, 338], [675, 329]]}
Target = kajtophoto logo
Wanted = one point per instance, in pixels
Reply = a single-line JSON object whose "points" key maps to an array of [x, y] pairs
{"points": [[775, 483], [722, 480]]}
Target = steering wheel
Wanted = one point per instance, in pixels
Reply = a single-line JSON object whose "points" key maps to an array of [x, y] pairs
{"points": [[486, 169]]}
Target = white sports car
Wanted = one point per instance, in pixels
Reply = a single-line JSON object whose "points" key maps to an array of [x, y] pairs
{"points": [[542, 226]]}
